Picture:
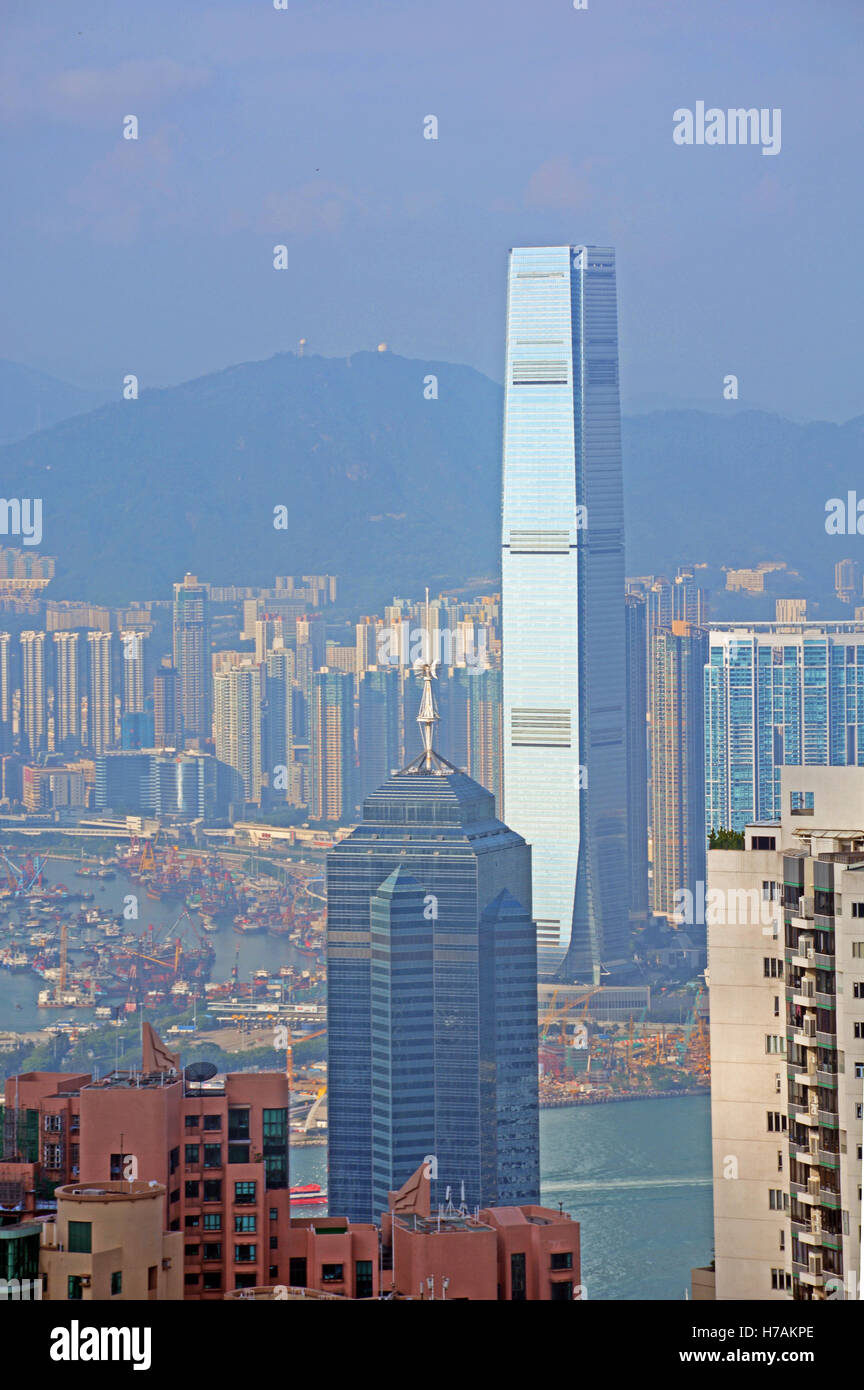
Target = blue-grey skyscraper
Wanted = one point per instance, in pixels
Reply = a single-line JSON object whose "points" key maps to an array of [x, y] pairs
{"points": [[431, 996], [563, 603], [777, 694]]}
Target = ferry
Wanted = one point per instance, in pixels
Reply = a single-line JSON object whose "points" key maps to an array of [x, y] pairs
{"points": [[308, 1195]]}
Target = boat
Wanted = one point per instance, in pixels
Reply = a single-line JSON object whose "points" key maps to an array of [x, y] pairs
{"points": [[244, 927], [308, 1195]]}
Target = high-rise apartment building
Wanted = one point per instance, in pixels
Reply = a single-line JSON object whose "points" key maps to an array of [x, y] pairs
{"points": [[67, 690], [635, 613], [332, 792], [100, 691], [238, 729], [280, 720], [167, 712], [192, 655], [563, 642], [132, 652], [378, 740], [5, 692], [429, 903], [678, 655], [847, 580], [777, 694], [34, 721], [786, 957], [218, 1150]]}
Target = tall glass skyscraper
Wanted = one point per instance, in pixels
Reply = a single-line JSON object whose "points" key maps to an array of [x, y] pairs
{"points": [[775, 694], [192, 655], [431, 998], [562, 603]]}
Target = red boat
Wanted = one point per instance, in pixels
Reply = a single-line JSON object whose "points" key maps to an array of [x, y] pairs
{"points": [[308, 1195]]}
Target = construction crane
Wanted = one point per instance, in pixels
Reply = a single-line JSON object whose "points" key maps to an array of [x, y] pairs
{"points": [[289, 1052], [23, 878]]}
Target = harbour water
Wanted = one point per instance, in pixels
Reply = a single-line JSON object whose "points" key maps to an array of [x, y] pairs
{"points": [[18, 992], [635, 1174]]}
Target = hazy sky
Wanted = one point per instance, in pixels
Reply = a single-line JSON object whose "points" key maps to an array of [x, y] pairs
{"points": [[304, 126]]}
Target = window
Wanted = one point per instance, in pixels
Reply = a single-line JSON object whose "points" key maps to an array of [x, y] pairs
{"points": [[777, 1082], [561, 1259], [244, 1193], [776, 1122], [73, 1288], [779, 1160], [274, 1214], [517, 1278], [858, 950], [776, 1005], [275, 1136], [190, 1280], [245, 1224], [858, 989], [274, 1242], [192, 1152], [561, 1292], [245, 1254], [244, 1281], [212, 1155], [763, 842], [192, 1121], [152, 1276], [363, 1278], [174, 1160], [192, 1190], [213, 1282], [297, 1273], [117, 1282], [775, 1043], [238, 1153], [212, 1121], [274, 1272], [332, 1274], [192, 1251], [858, 909], [778, 1200], [212, 1221], [213, 1250], [80, 1237], [859, 1029], [192, 1223], [859, 1111], [782, 1240], [174, 1195], [238, 1123], [780, 1279], [772, 969], [213, 1190], [859, 1070]]}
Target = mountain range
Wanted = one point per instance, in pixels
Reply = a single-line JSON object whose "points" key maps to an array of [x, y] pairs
{"points": [[381, 481]]}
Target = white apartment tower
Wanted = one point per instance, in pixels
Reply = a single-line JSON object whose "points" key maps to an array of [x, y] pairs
{"points": [[786, 974]]}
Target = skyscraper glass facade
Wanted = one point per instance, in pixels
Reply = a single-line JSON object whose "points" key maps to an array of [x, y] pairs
{"points": [[777, 694], [474, 875], [562, 603]]}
